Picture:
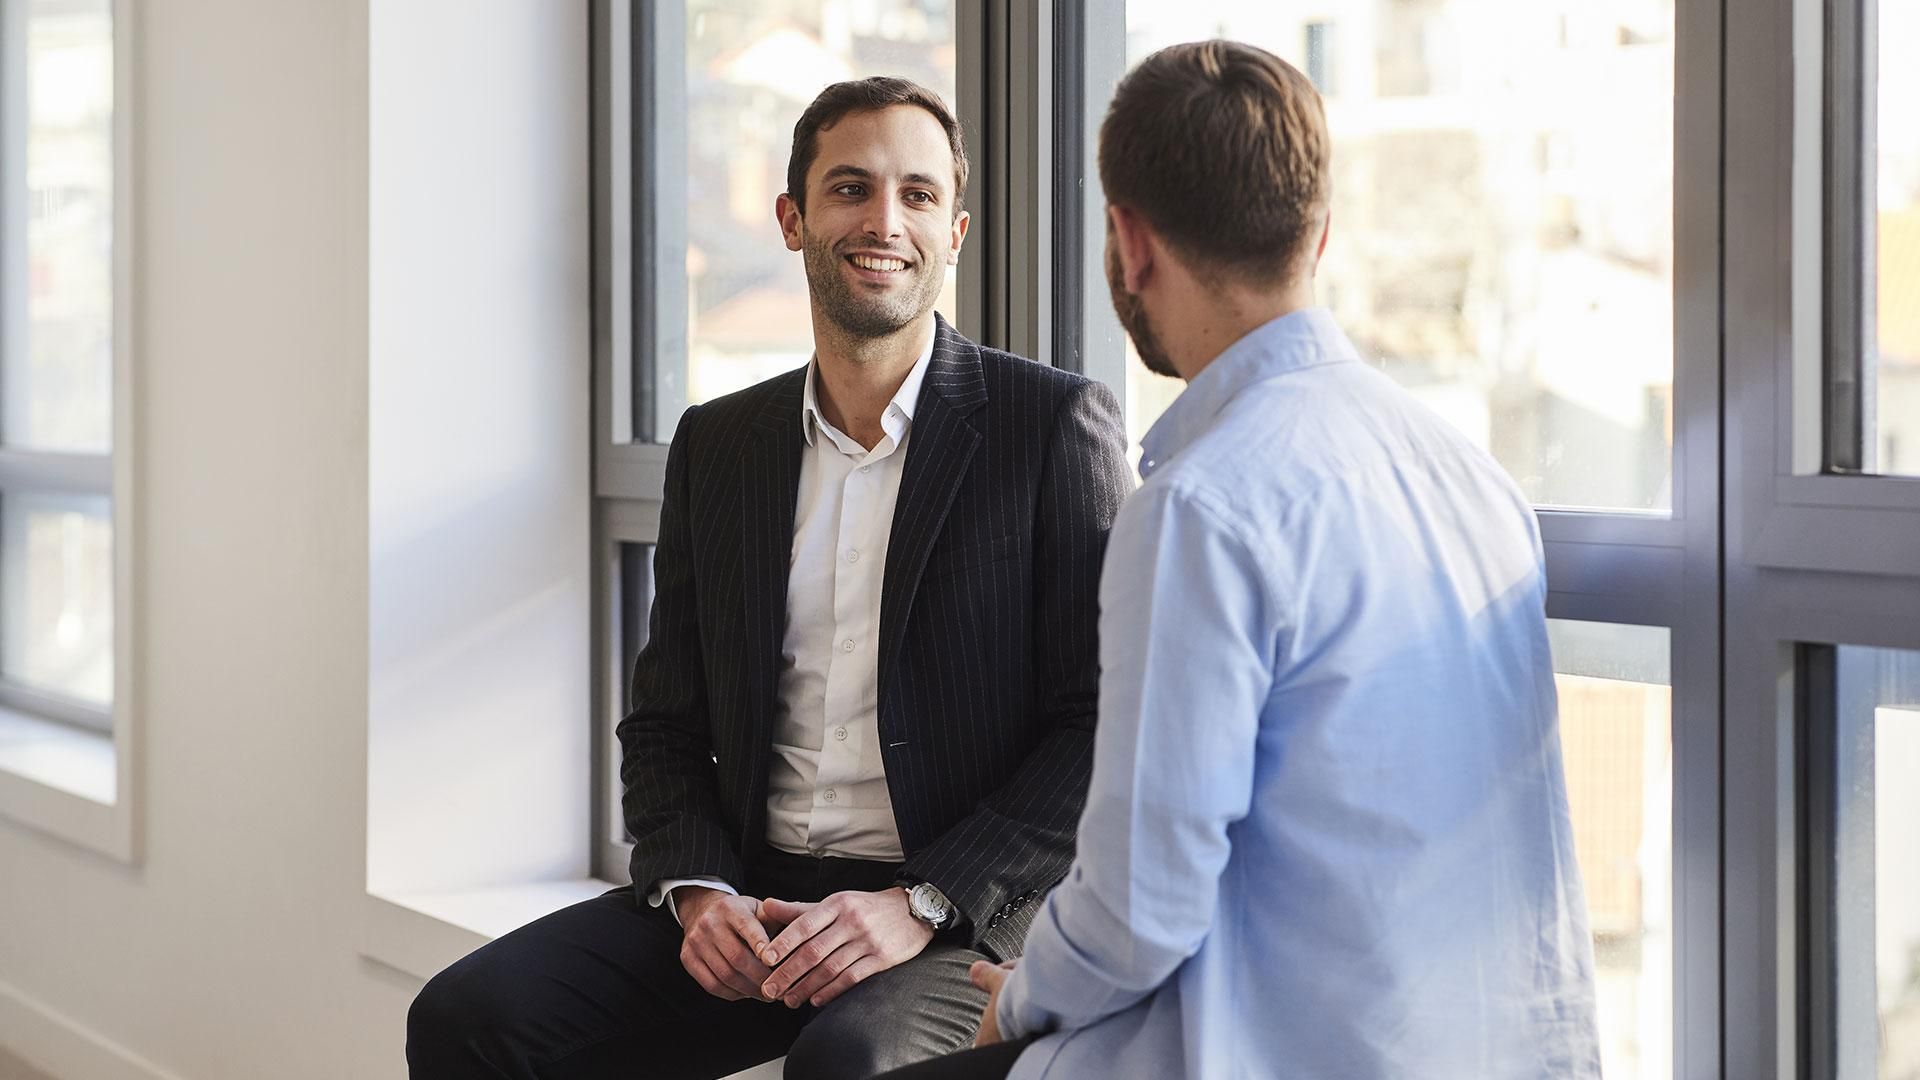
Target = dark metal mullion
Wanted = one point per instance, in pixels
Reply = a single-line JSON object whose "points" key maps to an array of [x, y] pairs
{"points": [[1846, 277], [1815, 752], [643, 192], [1070, 183]]}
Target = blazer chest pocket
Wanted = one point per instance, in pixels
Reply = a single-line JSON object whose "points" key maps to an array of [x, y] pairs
{"points": [[947, 561]]}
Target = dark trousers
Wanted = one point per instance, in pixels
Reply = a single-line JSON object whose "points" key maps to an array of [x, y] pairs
{"points": [[597, 990], [987, 1063]]}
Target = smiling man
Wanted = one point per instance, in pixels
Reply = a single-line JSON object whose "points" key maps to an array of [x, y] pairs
{"points": [[864, 714]]}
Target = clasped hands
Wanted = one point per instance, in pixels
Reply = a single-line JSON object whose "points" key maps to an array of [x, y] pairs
{"points": [[739, 948]]}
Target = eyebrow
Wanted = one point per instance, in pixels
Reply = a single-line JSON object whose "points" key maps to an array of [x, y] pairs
{"points": [[858, 173]]}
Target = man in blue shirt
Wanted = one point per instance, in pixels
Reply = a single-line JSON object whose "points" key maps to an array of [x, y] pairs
{"points": [[1328, 832]]}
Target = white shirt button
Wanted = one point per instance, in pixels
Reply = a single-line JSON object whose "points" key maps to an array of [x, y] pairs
{"points": [[853, 556], [840, 733], [829, 796], [866, 468], [847, 645]]}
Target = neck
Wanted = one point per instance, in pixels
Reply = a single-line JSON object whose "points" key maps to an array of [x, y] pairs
{"points": [[1197, 332], [860, 375]]}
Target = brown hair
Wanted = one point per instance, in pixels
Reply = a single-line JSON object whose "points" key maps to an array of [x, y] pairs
{"points": [[867, 95], [1223, 148]]}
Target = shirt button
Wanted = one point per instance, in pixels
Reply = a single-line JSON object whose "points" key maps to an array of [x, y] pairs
{"points": [[829, 796], [840, 733], [847, 645], [866, 468], [853, 556]]}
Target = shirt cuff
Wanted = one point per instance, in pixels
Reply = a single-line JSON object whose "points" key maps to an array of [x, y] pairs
{"points": [[663, 890]]}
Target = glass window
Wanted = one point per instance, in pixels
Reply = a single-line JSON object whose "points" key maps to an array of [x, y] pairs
{"points": [[57, 554], [633, 598], [58, 386], [1876, 893], [1502, 234], [1896, 399], [1616, 712], [752, 67], [56, 356]]}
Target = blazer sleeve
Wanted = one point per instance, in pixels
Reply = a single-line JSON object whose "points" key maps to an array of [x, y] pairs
{"points": [[1019, 841], [671, 798]]}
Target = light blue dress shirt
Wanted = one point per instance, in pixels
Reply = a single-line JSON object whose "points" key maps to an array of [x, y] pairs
{"points": [[1327, 834]]}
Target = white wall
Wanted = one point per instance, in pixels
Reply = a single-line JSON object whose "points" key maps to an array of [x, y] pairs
{"points": [[231, 949]]}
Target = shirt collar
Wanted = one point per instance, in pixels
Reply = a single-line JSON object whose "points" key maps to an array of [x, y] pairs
{"points": [[1298, 339], [899, 411]]}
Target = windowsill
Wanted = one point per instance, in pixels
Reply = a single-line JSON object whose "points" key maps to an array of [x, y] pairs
{"points": [[422, 933], [64, 781], [62, 757]]}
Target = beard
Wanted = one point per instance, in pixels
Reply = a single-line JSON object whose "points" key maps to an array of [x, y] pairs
{"points": [[1133, 319], [858, 311]]}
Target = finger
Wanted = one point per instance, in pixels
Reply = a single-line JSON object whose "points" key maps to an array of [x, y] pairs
{"points": [[749, 929], [854, 975], [782, 911], [827, 970], [798, 932], [741, 962], [986, 976], [804, 959], [704, 975], [740, 984]]}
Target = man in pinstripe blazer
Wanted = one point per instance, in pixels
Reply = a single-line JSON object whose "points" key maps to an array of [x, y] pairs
{"points": [[864, 714]]}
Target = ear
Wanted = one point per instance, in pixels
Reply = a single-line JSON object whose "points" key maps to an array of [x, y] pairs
{"points": [[1132, 240], [1326, 230], [960, 223], [787, 213]]}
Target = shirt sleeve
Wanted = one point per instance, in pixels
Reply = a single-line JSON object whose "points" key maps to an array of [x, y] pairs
{"points": [[1186, 658], [662, 891]]}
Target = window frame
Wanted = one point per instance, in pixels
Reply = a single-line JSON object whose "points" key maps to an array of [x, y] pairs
{"points": [[109, 827], [27, 471], [1815, 560], [1797, 152]]}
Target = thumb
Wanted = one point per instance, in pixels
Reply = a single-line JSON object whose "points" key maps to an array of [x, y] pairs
{"points": [[986, 975]]}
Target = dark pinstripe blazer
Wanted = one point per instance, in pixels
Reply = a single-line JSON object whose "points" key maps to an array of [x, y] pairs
{"points": [[987, 661]]}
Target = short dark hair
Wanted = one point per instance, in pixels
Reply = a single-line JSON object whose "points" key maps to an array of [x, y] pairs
{"points": [[1223, 148], [868, 95]]}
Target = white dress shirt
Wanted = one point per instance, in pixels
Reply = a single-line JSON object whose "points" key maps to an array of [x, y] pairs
{"points": [[826, 783], [1327, 833]]}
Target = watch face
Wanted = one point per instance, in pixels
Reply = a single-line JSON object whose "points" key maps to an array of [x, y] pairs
{"points": [[930, 905]]}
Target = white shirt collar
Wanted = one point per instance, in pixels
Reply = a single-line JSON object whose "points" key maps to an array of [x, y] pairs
{"points": [[899, 411]]}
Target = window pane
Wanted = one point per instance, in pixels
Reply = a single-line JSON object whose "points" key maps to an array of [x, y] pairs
{"points": [[1502, 234], [1616, 711], [56, 568], [58, 345], [1896, 404], [1877, 859], [752, 67], [633, 600]]}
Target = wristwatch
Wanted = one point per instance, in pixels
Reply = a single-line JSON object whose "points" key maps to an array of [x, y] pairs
{"points": [[930, 906]]}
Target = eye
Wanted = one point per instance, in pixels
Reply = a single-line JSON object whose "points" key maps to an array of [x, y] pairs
{"points": [[920, 196], [849, 190]]}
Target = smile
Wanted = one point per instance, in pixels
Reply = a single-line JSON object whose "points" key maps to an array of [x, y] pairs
{"points": [[880, 265]]}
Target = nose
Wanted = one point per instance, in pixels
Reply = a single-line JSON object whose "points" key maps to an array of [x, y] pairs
{"points": [[883, 220]]}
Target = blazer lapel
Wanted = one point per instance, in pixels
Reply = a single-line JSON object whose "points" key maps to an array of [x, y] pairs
{"points": [[940, 446], [769, 488]]}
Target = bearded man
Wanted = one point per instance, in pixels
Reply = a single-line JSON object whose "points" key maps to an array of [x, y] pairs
{"points": [[864, 716]]}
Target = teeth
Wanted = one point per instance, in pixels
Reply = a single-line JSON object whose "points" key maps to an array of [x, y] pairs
{"points": [[868, 262]]}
